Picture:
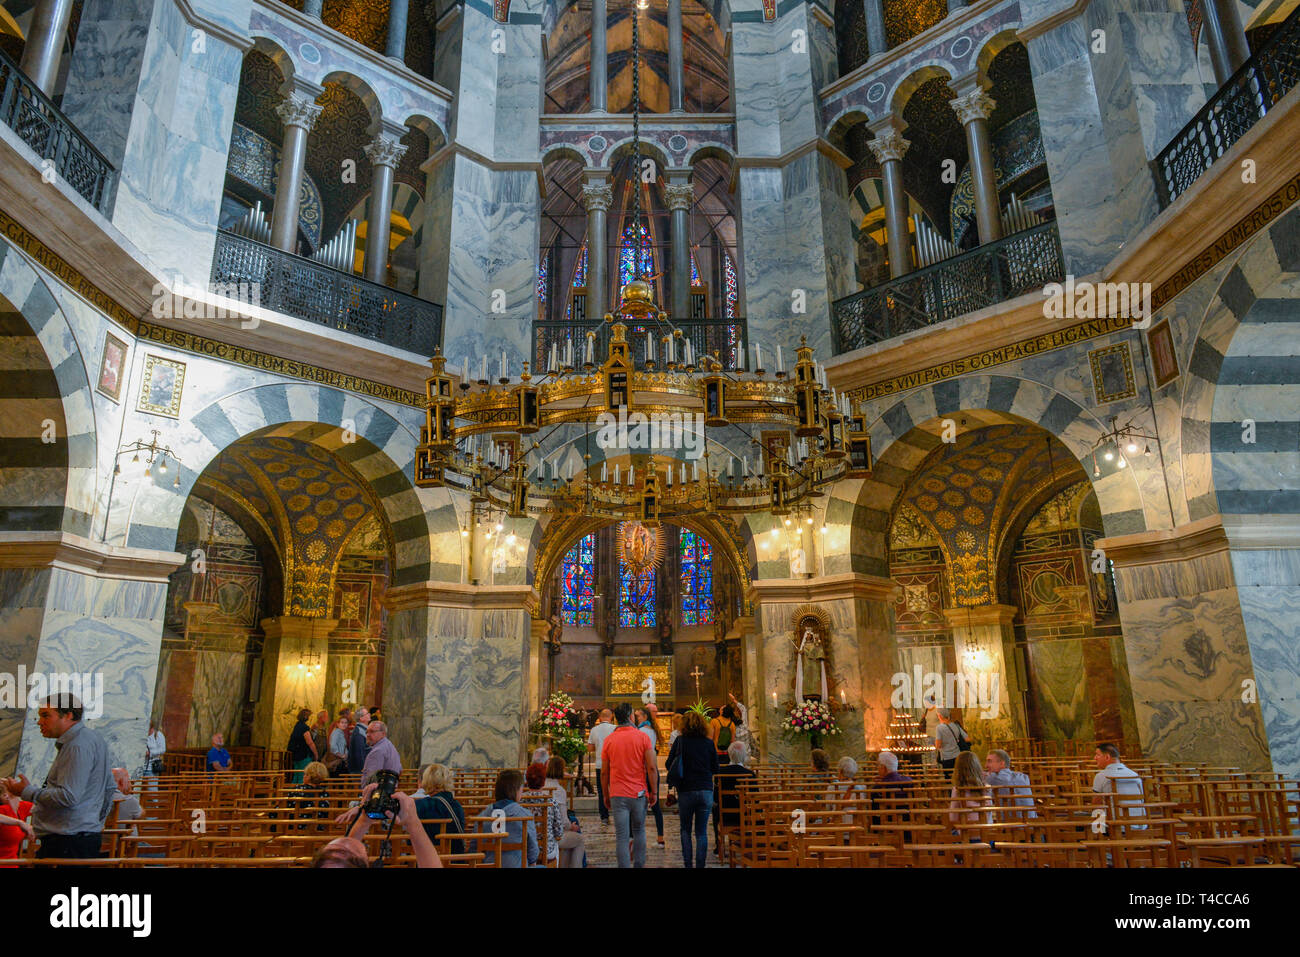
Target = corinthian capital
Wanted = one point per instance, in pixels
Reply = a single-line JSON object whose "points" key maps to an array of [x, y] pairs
{"points": [[597, 196], [679, 195], [384, 151], [975, 105], [298, 109], [888, 145]]}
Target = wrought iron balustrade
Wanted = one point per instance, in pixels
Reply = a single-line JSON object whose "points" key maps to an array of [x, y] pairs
{"points": [[306, 289], [727, 337], [37, 121], [1238, 105], [983, 277]]}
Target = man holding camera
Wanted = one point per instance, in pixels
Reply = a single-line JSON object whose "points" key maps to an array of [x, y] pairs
{"points": [[382, 755]]}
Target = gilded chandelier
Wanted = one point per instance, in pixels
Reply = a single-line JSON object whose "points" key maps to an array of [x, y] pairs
{"points": [[817, 439]]}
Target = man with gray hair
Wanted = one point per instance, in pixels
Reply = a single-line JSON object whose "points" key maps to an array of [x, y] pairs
{"points": [[1009, 787], [725, 798], [887, 774], [382, 755]]}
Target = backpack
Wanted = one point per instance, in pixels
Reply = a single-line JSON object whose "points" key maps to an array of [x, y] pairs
{"points": [[963, 742], [724, 735]]}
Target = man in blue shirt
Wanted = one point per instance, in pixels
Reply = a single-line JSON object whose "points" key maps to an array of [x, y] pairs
{"points": [[1009, 787], [218, 756]]}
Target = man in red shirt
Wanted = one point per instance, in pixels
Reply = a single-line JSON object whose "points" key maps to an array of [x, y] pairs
{"points": [[631, 779]]}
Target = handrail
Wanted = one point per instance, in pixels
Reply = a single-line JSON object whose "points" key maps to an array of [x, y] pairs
{"points": [[982, 277], [52, 136], [1244, 99], [727, 337], [310, 290]]}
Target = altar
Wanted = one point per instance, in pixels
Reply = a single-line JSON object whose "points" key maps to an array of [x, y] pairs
{"points": [[637, 680]]}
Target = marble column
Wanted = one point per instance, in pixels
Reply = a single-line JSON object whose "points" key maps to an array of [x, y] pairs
{"points": [[396, 46], [385, 151], [676, 69], [874, 13], [73, 607], [973, 108], [989, 690], [1225, 37], [597, 196], [312, 8], [299, 112], [861, 660], [1103, 118], [955, 5], [888, 147], [44, 46], [599, 57], [1197, 693], [456, 676], [793, 229], [294, 658], [680, 196]]}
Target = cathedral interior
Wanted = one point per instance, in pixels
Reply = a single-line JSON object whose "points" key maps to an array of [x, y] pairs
{"points": [[981, 319]]}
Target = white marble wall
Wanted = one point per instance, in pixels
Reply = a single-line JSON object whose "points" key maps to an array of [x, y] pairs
{"points": [[157, 96]]}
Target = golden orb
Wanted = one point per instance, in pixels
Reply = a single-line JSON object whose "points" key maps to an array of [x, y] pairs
{"points": [[637, 298]]}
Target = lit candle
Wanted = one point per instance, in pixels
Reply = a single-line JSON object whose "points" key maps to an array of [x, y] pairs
{"points": [[843, 700]]}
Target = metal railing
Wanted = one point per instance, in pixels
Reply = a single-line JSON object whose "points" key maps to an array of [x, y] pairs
{"points": [[309, 290], [38, 122], [1238, 105], [727, 337], [983, 277]]}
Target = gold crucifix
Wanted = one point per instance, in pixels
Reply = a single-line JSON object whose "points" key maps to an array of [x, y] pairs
{"points": [[697, 674]]}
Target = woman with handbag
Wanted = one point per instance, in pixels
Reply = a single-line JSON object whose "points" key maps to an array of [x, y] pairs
{"points": [[692, 765], [438, 810]]}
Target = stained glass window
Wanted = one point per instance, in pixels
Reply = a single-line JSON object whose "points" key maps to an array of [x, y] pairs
{"points": [[695, 271], [733, 285], [697, 579], [543, 269], [627, 253], [636, 597], [579, 278], [576, 578]]}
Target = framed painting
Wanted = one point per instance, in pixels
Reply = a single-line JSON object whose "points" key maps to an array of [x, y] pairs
{"points": [[112, 367], [160, 392]]}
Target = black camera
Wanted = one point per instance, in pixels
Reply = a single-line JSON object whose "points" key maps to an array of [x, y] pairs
{"points": [[382, 800]]}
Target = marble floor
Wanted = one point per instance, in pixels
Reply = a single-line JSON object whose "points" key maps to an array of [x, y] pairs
{"points": [[599, 839]]}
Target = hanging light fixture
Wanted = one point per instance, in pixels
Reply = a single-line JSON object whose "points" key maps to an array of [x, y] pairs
{"points": [[825, 438]]}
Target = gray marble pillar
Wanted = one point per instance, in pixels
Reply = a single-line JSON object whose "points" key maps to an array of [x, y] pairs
{"points": [[299, 112], [973, 108], [312, 8], [384, 152], [45, 43], [955, 5], [597, 195], [888, 146], [1226, 38], [874, 12], [680, 196], [676, 70], [599, 60], [396, 46]]}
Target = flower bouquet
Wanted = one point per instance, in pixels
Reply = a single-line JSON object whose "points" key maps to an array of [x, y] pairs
{"points": [[563, 725], [812, 718]]}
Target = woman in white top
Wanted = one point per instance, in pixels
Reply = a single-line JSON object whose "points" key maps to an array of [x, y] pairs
{"points": [[743, 732], [843, 794], [969, 791]]}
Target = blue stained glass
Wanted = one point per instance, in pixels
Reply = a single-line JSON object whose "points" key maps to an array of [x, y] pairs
{"points": [[733, 296], [627, 254], [695, 272], [576, 580], [636, 597], [697, 579], [543, 270]]}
